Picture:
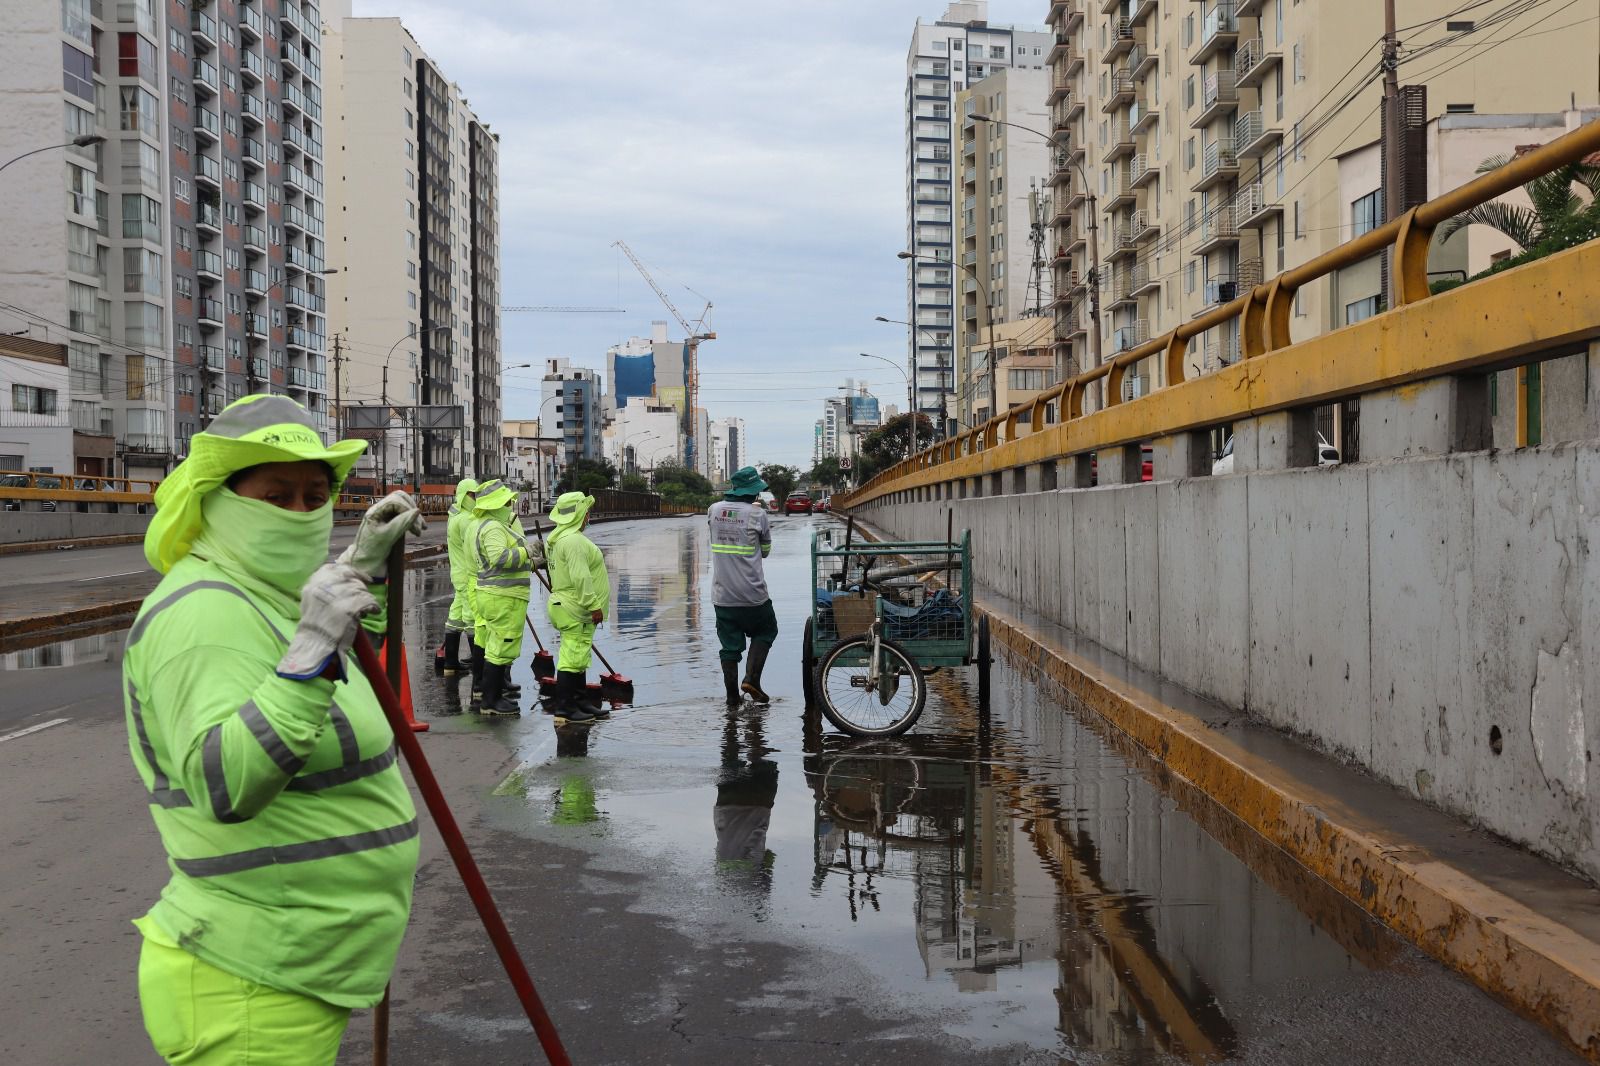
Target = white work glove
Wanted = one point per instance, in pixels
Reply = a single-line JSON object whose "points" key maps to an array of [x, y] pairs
{"points": [[381, 527], [331, 606]]}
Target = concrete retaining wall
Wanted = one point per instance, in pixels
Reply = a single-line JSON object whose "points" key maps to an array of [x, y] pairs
{"points": [[21, 527], [1435, 619]]}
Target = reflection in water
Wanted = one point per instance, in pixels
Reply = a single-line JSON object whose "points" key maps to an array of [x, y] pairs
{"points": [[79, 651], [747, 787], [656, 575], [575, 802]]}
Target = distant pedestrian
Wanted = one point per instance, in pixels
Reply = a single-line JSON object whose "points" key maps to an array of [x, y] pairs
{"points": [[580, 592], [462, 578], [740, 539]]}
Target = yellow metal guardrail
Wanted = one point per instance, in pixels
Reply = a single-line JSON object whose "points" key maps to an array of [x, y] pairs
{"points": [[1536, 307]]}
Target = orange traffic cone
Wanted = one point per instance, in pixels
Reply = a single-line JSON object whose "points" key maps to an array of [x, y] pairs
{"points": [[405, 690]]}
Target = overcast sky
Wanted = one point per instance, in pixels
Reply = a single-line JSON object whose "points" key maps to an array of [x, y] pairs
{"points": [[748, 149]]}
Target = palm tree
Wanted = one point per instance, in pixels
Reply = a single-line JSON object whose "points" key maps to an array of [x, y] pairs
{"points": [[1557, 210]]}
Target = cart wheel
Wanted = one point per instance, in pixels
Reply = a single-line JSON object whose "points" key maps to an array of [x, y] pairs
{"points": [[857, 705], [808, 666], [984, 659]]}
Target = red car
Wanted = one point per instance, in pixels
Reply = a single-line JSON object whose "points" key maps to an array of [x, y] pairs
{"points": [[797, 503]]}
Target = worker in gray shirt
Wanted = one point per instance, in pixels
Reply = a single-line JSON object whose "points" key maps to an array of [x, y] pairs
{"points": [[740, 540]]}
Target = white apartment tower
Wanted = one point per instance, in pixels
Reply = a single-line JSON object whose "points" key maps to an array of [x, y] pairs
{"points": [[945, 57], [413, 231]]}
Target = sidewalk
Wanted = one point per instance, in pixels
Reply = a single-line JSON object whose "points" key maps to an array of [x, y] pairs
{"points": [[1523, 929]]}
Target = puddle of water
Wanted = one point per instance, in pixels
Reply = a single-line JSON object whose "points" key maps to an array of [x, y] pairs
{"points": [[104, 647]]}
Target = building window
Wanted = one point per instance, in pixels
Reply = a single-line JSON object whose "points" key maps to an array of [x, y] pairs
{"points": [[141, 271], [1188, 91], [75, 21], [136, 58], [997, 51], [77, 72], [82, 248], [407, 53], [1299, 63], [178, 41], [1299, 225], [183, 237], [1361, 309], [1189, 276], [409, 119], [939, 46], [411, 270], [1366, 214], [82, 305], [141, 111], [141, 219], [29, 400], [411, 300], [80, 191], [183, 289]]}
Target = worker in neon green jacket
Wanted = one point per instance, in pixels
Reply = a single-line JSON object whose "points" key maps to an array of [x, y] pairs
{"points": [[267, 761], [504, 563], [462, 574], [580, 592]]}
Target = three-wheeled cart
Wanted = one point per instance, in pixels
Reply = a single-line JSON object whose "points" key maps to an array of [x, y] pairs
{"points": [[880, 623]]}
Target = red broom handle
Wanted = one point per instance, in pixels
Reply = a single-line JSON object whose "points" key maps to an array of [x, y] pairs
{"points": [[433, 796]]}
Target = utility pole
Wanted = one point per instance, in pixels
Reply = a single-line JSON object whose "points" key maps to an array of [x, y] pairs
{"points": [[338, 390], [1392, 134], [383, 450]]}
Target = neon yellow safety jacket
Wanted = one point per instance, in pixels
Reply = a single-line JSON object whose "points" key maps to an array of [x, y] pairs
{"points": [[290, 834], [578, 578], [463, 572], [501, 554]]}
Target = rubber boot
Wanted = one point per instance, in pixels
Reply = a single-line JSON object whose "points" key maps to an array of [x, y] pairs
{"points": [[509, 688], [494, 701], [591, 701], [566, 702], [752, 672], [476, 663], [452, 653], [730, 682]]}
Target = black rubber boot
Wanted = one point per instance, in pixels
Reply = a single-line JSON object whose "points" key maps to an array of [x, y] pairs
{"points": [[452, 653], [730, 682], [476, 664], [591, 701], [566, 702], [494, 701], [509, 688], [752, 672]]}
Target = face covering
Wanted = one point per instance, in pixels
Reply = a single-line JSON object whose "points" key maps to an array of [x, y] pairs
{"points": [[277, 547]]}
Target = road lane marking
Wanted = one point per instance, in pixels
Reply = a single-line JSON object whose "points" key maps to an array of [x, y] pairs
{"points": [[32, 729], [108, 577]]}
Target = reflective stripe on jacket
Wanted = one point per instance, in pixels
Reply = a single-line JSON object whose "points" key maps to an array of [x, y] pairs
{"points": [[503, 559]]}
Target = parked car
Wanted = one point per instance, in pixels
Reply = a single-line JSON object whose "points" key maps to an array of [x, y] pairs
{"points": [[22, 481], [823, 505], [798, 502], [1327, 455]]}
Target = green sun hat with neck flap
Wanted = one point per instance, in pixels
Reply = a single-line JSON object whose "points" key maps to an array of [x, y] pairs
{"points": [[467, 486], [249, 432], [493, 495], [746, 482]]}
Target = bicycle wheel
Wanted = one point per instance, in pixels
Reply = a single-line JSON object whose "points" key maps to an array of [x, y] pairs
{"points": [[854, 703], [808, 666]]}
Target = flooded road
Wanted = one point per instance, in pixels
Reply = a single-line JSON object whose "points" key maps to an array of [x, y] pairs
{"points": [[698, 885], [1024, 880]]}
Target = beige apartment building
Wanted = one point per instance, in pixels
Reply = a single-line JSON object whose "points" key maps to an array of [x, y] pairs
{"points": [[1203, 139]]}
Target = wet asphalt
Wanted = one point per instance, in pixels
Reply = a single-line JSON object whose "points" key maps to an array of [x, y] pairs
{"points": [[691, 884]]}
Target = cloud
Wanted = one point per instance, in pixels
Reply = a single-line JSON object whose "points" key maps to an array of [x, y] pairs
{"points": [[751, 149]]}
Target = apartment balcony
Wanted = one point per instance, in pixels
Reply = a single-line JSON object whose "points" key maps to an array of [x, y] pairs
{"points": [[207, 217], [1122, 193], [303, 261], [1065, 15], [1076, 242], [208, 312], [258, 368], [1249, 274], [255, 240], [203, 28], [251, 67], [1142, 117], [1248, 8], [255, 283], [1144, 226], [1060, 89], [1254, 136], [1121, 41], [291, 57], [1121, 143], [1218, 290], [304, 339], [1218, 32], [1058, 49], [254, 155], [1072, 63], [1219, 164], [1119, 91], [1069, 325], [290, 20], [1218, 97], [299, 377], [253, 111], [256, 326], [210, 357], [1109, 7], [1142, 170], [1120, 244], [294, 218], [1253, 61], [1130, 336], [1143, 62], [1061, 214], [1121, 291], [205, 78], [207, 126], [208, 171], [1252, 209], [1146, 281], [250, 22], [255, 197], [1061, 171], [208, 265], [308, 300], [1142, 10], [1216, 231]]}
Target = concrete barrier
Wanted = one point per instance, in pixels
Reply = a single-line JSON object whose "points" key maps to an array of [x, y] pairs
{"points": [[1434, 619]]}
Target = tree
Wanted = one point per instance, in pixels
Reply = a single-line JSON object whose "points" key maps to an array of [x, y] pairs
{"points": [[587, 475], [635, 483], [680, 485], [828, 474], [1557, 218], [887, 444], [780, 479]]}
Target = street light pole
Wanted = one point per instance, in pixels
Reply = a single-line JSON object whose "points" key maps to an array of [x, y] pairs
{"points": [[986, 325], [416, 482], [1094, 233], [914, 405], [911, 411], [86, 141]]}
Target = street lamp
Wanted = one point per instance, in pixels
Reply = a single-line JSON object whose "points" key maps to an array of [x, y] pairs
{"points": [[911, 410], [86, 141], [416, 474], [943, 412], [986, 324], [1094, 228]]}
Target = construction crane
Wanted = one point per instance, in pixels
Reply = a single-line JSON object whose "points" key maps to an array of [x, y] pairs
{"points": [[570, 310], [693, 336]]}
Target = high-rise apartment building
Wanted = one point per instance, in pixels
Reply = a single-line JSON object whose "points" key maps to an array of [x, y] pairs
{"points": [[1209, 134], [570, 408], [735, 447], [945, 57], [414, 232], [1004, 160]]}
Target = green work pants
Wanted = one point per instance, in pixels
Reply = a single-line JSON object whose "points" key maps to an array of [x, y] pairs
{"points": [[198, 1015], [735, 624], [501, 618], [577, 638]]}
